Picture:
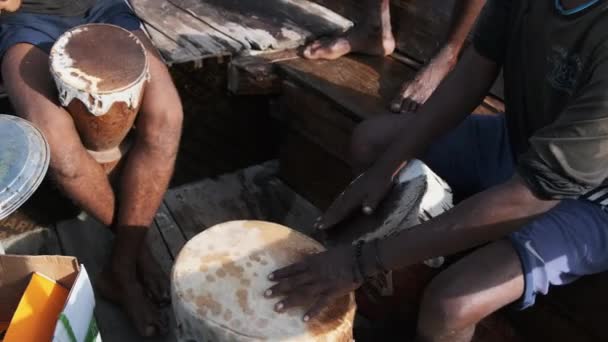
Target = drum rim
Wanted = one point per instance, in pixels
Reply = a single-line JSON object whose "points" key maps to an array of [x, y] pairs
{"points": [[36, 176], [252, 221], [141, 78]]}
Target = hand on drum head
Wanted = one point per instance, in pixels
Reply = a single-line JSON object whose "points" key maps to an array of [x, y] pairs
{"points": [[364, 193], [315, 282]]}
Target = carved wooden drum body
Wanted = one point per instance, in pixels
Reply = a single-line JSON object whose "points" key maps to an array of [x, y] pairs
{"points": [[218, 282], [101, 72]]}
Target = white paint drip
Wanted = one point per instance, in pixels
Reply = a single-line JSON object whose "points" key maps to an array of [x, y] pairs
{"points": [[73, 83]]}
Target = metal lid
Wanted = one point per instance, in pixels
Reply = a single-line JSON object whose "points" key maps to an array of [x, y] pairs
{"points": [[24, 160]]}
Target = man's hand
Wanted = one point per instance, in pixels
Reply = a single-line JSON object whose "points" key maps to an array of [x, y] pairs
{"points": [[315, 282], [364, 193]]}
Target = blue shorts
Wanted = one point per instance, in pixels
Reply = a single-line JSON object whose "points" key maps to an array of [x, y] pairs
{"points": [[43, 30], [566, 243]]}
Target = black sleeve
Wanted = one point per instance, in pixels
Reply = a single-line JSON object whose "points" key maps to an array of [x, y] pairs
{"points": [[569, 157], [491, 32]]}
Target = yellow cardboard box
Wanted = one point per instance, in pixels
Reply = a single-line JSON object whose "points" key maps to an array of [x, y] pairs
{"points": [[66, 316]]}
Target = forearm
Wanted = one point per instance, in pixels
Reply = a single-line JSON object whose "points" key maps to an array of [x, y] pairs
{"points": [[455, 98], [485, 217]]}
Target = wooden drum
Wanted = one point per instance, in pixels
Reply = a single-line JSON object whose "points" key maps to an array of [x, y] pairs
{"points": [[101, 72], [219, 279]]}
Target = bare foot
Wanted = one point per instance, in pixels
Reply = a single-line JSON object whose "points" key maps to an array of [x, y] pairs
{"points": [[155, 280], [372, 37], [414, 93], [363, 40], [148, 319]]}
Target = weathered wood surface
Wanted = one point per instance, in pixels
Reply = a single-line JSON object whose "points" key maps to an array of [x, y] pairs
{"points": [[91, 243], [257, 75], [191, 30], [254, 193]]}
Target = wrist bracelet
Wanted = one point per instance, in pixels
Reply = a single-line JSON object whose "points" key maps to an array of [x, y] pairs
{"points": [[379, 263]]}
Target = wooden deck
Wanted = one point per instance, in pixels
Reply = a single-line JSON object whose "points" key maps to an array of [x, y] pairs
{"points": [[193, 30], [252, 193]]}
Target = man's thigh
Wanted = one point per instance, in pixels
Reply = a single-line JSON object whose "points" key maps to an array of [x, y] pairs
{"points": [[562, 245], [474, 156], [28, 82], [161, 107]]}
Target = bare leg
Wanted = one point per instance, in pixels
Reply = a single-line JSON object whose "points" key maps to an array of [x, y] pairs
{"points": [[31, 89], [33, 94], [145, 178], [372, 36], [415, 92], [470, 290]]}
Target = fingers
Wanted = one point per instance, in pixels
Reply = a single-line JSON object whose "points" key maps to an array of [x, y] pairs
{"points": [[288, 271], [289, 285], [317, 307], [396, 104], [339, 210], [301, 298], [373, 198], [411, 106]]}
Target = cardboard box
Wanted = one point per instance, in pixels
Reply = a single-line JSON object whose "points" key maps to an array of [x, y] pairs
{"points": [[76, 322]]}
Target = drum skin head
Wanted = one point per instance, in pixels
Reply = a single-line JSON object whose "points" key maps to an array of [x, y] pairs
{"points": [[221, 274], [99, 58]]}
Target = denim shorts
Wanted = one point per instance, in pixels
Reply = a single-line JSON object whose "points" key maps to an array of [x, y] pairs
{"points": [[42, 30], [564, 244]]}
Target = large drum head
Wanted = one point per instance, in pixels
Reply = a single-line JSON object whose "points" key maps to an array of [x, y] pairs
{"points": [[99, 58], [219, 279], [24, 159]]}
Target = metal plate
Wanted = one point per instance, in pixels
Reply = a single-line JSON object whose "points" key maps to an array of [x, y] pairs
{"points": [[24, 160]]}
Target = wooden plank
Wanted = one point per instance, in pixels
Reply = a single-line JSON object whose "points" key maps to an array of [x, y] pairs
{"points": [[318, 119], [363, 85], [91, 243], [194, 36], [311, 171], [170, 50], [172, 236], [254, 193], [256, 75], [264, 25]]}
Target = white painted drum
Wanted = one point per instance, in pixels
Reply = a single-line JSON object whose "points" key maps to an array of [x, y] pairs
{"points": [[96, 88], [218, 282], [24, 160]]}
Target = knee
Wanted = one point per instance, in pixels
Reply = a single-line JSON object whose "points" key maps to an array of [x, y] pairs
{"points": [[443, 311], [364, 147], [161, 130]]}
